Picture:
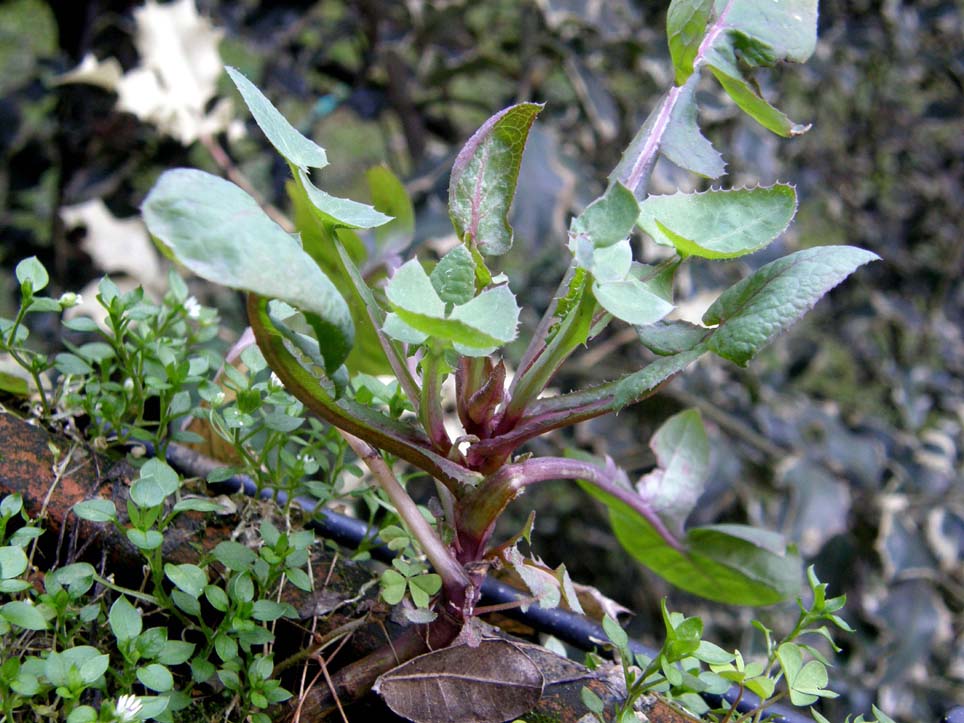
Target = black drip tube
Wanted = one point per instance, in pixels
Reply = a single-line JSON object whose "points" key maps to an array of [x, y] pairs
{"points": [[575, 630]]}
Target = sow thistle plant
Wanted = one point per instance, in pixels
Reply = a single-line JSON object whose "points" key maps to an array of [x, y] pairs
{"points": [[326, 305]]}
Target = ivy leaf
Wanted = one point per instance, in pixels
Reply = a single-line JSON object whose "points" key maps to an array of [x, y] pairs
{"points": [[683, 143], [609, 219], [683, 454], [221, 234], [719, 224], [685, 27], [757, 33], [299, 151], [756, 309], [454, 276], [484, 178]]}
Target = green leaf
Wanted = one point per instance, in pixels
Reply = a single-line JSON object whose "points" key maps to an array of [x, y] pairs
{"points": [[234, 555], [292, 145], [394, 587], [13, 561], [267, 610], [609, 219], [149, 540], [683, 143], [390, 197], [189, 578], [719, 224], [683, 455], [32, 275], [759, 307], [220, 233], [156, 483], [97, 510], [23, 615], [156, 677], [671, 337], [631, 300], [484, 178], [423, 587], [476, 328], [454, 276], [726, 563], [125, 621], [340, 212], [641, 383], [685, 27], [757, 33]]}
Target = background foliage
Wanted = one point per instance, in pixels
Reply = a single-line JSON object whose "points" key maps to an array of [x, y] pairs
{"points": [[847, 434]]}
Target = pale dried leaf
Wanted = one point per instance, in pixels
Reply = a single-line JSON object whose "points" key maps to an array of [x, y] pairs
{"points": [[104, 74], [116, 245]]}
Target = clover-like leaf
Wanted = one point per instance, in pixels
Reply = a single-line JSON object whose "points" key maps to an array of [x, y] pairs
{"points": [[719, 224], [220, 233], [807, 681], [484, 178], [753, 311]]}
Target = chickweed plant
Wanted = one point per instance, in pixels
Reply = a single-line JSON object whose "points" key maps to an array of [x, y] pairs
{"points": [[333, 314]]}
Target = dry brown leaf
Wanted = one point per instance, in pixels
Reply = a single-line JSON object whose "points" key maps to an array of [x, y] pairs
{"points": [[490, 683]]}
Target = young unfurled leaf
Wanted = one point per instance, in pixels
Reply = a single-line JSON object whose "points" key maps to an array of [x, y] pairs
{"points": [[748, 34], [484, 179], [299, 151], [609, 219], [683, 454], [490, 683], [756, 309], [475, 328], [683, 143], [719, 224], [685, 27], [454, 276], [220, 233]]}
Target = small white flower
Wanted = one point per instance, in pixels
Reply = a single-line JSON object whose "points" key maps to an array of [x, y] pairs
{"points": [[128, 385], [306, 459], [219, 399], [69, 300], [127, 708], [192, 307], [275, 381]]}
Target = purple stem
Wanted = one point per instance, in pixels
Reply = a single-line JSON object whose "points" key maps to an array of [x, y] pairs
{"points": [[481, 510], [643, 165]]}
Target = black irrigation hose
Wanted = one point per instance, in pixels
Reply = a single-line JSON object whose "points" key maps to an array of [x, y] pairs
{"points": [[576, 630]]}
